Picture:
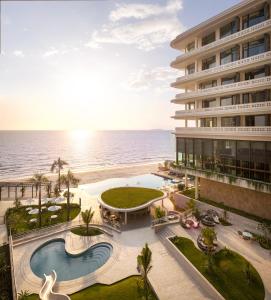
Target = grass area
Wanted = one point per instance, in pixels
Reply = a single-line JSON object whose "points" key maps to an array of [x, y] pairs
{"points": [[191, 193], [121, 290], [5, 275], [228, 273], [18, 218], [128, 197], [82, 230]]}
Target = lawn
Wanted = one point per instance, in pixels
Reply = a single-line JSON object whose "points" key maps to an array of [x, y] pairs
{"points": [[18, 218], [128, 197], [228, 275], [121, 290], [191, 193], [5, 275], [82, 230]]}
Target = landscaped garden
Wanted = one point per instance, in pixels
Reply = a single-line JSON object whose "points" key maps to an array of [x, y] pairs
{"points": [[82, 230], [5, 275], [230, 273], [128, 197], [18, 218]]}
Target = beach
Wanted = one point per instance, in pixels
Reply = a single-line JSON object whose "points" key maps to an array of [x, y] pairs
{"points": [[90, 177]]}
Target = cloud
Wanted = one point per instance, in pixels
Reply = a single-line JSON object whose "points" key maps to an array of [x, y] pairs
{"points": [[145, 78], [50, 52], [18, 53], [142, 11], [151, 27]]}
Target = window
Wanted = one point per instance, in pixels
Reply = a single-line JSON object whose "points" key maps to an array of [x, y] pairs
{"points": [[254, 48], [181, 150], [230, 121], [230, 100], [190, 152], [258, 120], [230, 28], [191, 69], [208, 63], [243, 158], [260, 96], [245, 98], [231, 79], [190, 46], [258, 73], [230, 55], [207, 154], [209, 103], [190, 105], [208, 84], [255, 17], [198, 153], [208, 122], [208, 39]]}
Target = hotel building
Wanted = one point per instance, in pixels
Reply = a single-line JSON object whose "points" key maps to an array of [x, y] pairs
{"points": [[224, 106]]}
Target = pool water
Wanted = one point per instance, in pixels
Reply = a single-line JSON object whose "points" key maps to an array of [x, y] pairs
{"points": [[146, 180], [52, 256]]}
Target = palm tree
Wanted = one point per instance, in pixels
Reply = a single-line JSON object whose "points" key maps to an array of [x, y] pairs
{"points": [[23, 295], [58, 165], [87, 216], [209, 236], [68, 180], [144, 263], [159, 212], [38, 179]]}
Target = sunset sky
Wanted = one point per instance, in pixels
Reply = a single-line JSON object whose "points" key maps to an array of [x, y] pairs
{"points": [[92, 64]]}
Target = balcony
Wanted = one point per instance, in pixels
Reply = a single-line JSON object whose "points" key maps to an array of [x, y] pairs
{"points": [[228, 40], [229, 110], [235, 66], [253, 133], [239, 87]]}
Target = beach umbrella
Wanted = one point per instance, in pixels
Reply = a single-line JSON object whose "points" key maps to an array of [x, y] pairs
{"points": [[59, 199], [54, 208], [34, 211]]}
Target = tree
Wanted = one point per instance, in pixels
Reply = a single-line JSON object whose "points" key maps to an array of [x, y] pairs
{"points": [[23, 191], [159, 212], [209, 236], [266, 230], [38, 179], [191, 204], [68, 180], [57, 166], [56, 190], [23, 295], [144, 263], [87, 216], [17, 203]]}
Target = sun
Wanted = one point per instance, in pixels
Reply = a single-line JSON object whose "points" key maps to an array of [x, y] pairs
{"points": [[81, 134]]}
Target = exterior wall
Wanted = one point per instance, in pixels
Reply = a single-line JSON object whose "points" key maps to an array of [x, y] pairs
{"points": [[253, 202]]}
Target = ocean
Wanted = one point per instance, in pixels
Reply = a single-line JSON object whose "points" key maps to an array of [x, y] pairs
{"points": [[22, 153]]}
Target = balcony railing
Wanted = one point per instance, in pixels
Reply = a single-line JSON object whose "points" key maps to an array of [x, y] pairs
{"points": [[230, 132], [259, 58], [225, 89], [258, 107], [233, 38]]}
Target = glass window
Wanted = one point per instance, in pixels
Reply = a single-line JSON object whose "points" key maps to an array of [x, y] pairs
{"points": [[260, 96], [207, 84], [258, 120], [207, 154], [254, 18], [230, 100], [208, 39], [230, 55], [181, 150], [243, 154], [198, 153], [232, 79], [190, 46], [189, 152], [230, 121], [258, 73], [208, 63], [190, 105], [230, 28], [191, 69], [208, 122], [209, 103], [254, 48], [258, 155]]}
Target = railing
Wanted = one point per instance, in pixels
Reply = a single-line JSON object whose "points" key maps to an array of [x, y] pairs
{"points": [[13, 281], [238, 86], [246, 131], [231, 38], [266, 56], [224, 110]]}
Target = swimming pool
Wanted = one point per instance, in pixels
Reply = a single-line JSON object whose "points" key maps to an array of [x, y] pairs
{"points": [[146, 180], [52, 256]]}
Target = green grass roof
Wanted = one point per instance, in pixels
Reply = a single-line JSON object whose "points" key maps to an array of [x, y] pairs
{"points": [[129, 197]]}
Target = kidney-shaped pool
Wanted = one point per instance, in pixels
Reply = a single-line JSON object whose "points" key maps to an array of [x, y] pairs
{"points": [[52, 256]]}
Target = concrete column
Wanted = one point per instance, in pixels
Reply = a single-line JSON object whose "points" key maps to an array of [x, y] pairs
{"points": [[217, 58], [8, 191], [196, 187], [217, 34], [185, 123], [125, 218]]}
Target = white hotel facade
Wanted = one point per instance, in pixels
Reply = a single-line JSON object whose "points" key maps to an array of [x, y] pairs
{"points": [[225, 104]]}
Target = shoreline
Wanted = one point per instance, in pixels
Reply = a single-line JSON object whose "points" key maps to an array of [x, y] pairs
{"points": [[101, 173]]}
